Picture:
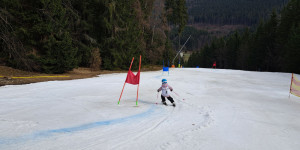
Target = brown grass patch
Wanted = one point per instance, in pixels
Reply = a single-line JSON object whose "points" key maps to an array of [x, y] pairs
{"points": [[6, 74]]}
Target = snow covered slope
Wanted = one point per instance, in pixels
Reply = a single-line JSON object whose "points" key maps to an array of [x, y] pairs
{"points": [[216, 110]]}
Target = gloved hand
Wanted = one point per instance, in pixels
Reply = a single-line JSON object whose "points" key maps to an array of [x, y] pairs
{"points": [[157, 90], [171, 90]]}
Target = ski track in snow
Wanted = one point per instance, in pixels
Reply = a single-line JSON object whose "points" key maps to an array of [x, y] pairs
{"points": [[49, 133], [216, 109], [36, 137]]}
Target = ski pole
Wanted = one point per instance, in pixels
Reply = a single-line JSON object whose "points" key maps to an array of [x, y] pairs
{"points": [[178, 95]]}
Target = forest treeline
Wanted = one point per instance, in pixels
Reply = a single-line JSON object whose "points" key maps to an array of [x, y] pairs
{"points": [[273, 46], [55, 36], [198, 38], [220, 17], [231, 12]]}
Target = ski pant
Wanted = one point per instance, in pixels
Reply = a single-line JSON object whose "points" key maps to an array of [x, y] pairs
{"points": [[163, 99]]}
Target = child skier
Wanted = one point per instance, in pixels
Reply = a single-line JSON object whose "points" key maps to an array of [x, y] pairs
{"points": [[165, 93]]}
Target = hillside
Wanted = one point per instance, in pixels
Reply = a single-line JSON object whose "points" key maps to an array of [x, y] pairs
{"points": [[55, 37], [220, 18], [216, 110], [231, 12], [272, 46]]}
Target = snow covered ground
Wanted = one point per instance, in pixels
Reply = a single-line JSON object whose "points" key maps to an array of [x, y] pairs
{"points": [[216, 110]]}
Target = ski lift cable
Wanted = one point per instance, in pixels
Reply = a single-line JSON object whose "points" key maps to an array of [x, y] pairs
{"points": [[181, 48]]}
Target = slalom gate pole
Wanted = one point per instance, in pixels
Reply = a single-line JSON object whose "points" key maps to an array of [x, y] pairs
{"points": [[136, 103], [291, 85], [131, 63], [121, 93], [125, 80], [139, 79]]}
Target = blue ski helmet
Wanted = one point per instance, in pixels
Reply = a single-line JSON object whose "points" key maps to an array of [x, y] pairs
{"points": [[164, 80]]}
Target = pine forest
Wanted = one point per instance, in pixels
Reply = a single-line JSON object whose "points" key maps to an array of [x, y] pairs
{"points": [[56, 36]]}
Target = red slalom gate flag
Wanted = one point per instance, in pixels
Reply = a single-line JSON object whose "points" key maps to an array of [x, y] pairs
{"points": [[133, 79], [214, 65]]}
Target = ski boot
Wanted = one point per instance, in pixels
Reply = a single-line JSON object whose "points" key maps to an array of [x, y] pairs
{"points": [[174, 105], [165, 103]]}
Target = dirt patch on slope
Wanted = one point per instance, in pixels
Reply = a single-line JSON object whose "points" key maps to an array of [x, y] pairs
{"points": [[8, 75]]}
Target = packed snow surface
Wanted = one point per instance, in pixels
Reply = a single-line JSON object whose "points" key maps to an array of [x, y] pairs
{"points": [[216, 110]]}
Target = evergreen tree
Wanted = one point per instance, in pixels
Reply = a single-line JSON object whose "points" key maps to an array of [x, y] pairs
{"points": [[289, 21], [271, 60], [232, 47], [244, 51], [292, 55], [60, 55], [124, 34], [182, 15], [257, 49], [57, 48], [177, 15]]}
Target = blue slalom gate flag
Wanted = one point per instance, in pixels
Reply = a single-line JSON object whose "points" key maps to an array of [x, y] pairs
{"points": [[165, 68]]}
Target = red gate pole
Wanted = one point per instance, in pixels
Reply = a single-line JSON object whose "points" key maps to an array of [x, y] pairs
{"points": [[131, 63], [125, 81], [121, 93], [139, 81]]}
